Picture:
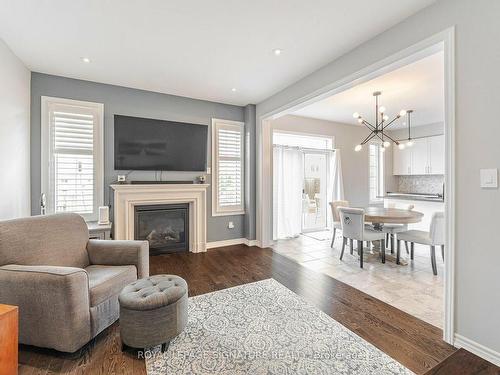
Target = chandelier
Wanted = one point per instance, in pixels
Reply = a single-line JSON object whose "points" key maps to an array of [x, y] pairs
{"points": [[382, 122]]}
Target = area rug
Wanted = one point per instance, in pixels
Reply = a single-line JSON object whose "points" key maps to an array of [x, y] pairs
{"points": [[264, 328]]}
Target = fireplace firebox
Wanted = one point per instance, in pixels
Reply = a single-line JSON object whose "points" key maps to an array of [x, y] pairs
{"points": [[164, 226]]}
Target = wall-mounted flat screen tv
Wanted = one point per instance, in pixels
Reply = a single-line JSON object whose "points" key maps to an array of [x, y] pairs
{"points": [[158, 145]]}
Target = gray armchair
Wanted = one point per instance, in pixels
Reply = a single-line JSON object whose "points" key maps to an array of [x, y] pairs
{"points": [[66, 286]]}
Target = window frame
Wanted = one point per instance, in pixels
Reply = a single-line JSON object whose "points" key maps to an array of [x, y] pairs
{"points": [[216, 209], [46, 157], [380, 173]]}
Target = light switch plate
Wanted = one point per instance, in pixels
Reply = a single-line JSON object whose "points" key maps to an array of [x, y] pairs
{"points": [[489, 178]]}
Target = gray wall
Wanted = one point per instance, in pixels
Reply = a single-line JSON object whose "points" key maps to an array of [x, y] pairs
{"points": [[477, 83], [355, 171], [14, 135], [126, 101]]}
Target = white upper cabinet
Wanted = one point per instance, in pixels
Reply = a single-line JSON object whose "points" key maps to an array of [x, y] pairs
{"points": [[436, 155], [401, 162], [420, 162], [426, 156]]}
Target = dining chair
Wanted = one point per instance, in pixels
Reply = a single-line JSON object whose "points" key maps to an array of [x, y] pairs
{"points": [[352, 222], [433, 238], [335, 215], [391, 230]]}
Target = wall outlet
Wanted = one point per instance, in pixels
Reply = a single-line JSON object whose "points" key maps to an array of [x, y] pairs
{"points": [[230, 225], [122, 178]]}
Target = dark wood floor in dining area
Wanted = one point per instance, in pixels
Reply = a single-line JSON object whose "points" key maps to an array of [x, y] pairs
{"points": [[412, 342]]}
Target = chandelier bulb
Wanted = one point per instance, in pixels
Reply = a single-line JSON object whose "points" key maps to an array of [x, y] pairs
{"points": [[358, 148], [409, 143], [355, 115], [401, 146], [402, 113], [360, 120], [381, 109], [387, 144]]}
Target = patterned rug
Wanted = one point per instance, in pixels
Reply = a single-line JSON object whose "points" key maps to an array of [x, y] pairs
{"points": [[264, 328]]}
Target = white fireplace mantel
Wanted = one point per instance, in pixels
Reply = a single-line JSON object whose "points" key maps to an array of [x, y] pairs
{"points": [[127, 196]]}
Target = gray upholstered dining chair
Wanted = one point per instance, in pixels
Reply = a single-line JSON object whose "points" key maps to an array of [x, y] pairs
{"points": [[66, 286], [433, 238], [352, 221], [391, 230], [336, 218]]}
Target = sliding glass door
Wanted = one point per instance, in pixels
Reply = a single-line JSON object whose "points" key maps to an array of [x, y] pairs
{"points": [[301, 166], [314, 193]]}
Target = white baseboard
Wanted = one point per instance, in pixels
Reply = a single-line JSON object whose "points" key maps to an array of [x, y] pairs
{"points": [[231, 242], [476, 348], [252, 242]]}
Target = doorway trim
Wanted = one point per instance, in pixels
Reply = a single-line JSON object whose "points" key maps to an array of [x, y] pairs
{"points": [[443, 41]]}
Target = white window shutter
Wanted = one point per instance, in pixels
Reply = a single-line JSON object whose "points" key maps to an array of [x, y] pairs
{"points": [[227, 151], [72, 151]]}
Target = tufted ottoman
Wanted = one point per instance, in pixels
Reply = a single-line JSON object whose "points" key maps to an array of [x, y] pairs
{"points": [[153, 311]]}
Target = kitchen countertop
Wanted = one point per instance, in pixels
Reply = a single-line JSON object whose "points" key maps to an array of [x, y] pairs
{"points": [[413, 197]]}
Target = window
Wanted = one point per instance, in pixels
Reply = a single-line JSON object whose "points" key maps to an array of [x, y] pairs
{"points": [[227, 161], [72, 164], [376, 160]]}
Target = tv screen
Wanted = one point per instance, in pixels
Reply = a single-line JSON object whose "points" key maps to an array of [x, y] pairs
{"points": [[157, 145]]}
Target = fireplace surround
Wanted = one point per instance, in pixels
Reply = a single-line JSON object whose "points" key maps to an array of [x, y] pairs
{"points": [[129, 196]]}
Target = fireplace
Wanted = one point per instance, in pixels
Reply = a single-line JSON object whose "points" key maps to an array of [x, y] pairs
{"points": [[164, 226]]}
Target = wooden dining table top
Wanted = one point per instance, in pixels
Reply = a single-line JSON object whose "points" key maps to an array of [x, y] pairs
{"points": [[382, 215]]}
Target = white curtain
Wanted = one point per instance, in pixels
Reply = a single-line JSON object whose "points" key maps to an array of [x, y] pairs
{"points": [[288, 180], [335, 180]]}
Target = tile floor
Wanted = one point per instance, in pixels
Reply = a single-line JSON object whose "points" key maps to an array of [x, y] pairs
{"points": [[411, 288]]}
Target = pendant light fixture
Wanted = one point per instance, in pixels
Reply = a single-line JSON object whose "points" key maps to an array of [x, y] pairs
{"points": [[410, 139], [378, 130]]}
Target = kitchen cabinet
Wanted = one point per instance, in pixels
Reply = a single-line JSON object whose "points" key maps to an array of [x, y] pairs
{"points": [[401, 162], [419, 158], [436, 155], [425, 157]]}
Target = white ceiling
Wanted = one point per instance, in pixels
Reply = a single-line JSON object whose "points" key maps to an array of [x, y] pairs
{"points": [[194, 48], [418, 86]]}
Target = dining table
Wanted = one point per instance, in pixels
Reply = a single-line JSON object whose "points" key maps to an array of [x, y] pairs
{"points": [[378, 216]]}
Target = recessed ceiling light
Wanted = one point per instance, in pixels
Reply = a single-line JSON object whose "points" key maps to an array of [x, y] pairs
{"points": [[233, 89], [277, 51], [86, 60]]}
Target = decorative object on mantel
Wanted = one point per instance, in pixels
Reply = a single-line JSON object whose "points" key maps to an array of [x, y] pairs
{"points": [[381, 124], [202, 179]]}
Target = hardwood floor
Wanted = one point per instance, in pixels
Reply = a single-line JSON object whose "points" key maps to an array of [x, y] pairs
{"points": [[463, 362], [412, 342]]}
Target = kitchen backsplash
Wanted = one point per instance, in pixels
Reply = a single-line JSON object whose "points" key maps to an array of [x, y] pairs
{"points": [[421, 184]]}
